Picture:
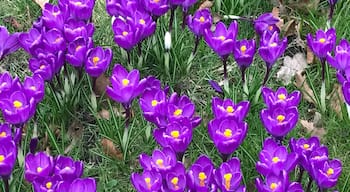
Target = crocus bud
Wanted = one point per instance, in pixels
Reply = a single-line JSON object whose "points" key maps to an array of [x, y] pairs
{"points": [[167, 40]]}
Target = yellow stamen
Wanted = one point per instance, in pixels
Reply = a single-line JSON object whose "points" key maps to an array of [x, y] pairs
{"points": [[95, 60], [270, 27], [202, 177], [201, 19], [125, 33], [230, 109], [330, 172], [58, 39], [154, 103], [175, 134], [175, 182], [281, 96], [156, 1], [17, 104], [243, 49], [275, 159], [228, 133], [78, 3], [306, 146], [56, 13], [42, 67], [148, 182], [78, 48], [125, 82], [49, 185], [159, 162], [317, 157], [273, 44], [280, 118], [32, 88], [178, 112], [2, 158], [222, 38], [3, 134], [322, 40], [142, 22], [273, 186], [39, 169], [227, 178]]}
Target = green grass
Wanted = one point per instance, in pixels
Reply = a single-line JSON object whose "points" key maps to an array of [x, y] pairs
{"points": [[64, 117]]}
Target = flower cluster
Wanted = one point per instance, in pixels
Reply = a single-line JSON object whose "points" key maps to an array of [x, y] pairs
{"points": [[18, 100], [174, 116], [8, 151], [8, 42], [313, 157], [63, 33], [163, 172], [133, 22], [281, 114], [228, 129], [59, 174], [341, 61]]}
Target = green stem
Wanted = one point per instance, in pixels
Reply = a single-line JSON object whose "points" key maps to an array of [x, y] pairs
{"points": [[166, 63], [6, 184]]}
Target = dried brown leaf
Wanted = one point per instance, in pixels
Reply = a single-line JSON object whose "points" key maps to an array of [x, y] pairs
{"points": [[101, 84], [290, 28], [312, 129], [75, 130], [110, 149], [307, 92], [337, 99], [13, 21], [309, 55], [104, 114], [276, 13], [41, 3], [206, 4]]}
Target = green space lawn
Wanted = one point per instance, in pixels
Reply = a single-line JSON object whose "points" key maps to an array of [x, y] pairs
{"points": [[70, 123]]}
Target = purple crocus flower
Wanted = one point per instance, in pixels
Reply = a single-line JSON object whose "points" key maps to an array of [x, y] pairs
{"points": [[176, 179], [125, 86], [156, 7], [38, 166], [304, 147], [280, 97], [31, 40], [322, 43], [8, 42], [77, 51], [177, 135], [152, 102], [97, 61], [319, 155], [346, 91], [5, 131], [48, 184], [67, 168], [200, 21], [86, 185], [215, 85], [81, 9], [126, 34], [271, 48], [17, 108], [75, 29], [229, 175], [8, 155], [326, 173], [279, 121], [143, 21], [200, 175], [8, 85], [54, 41], [274, 158], [224, 108], [341, 60], [34, 87], [54, 16], [222, 39], [244, 52], [277, 183], [266, 22], [161, 160], [148, 181], [227, 134], [43, 65]]}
